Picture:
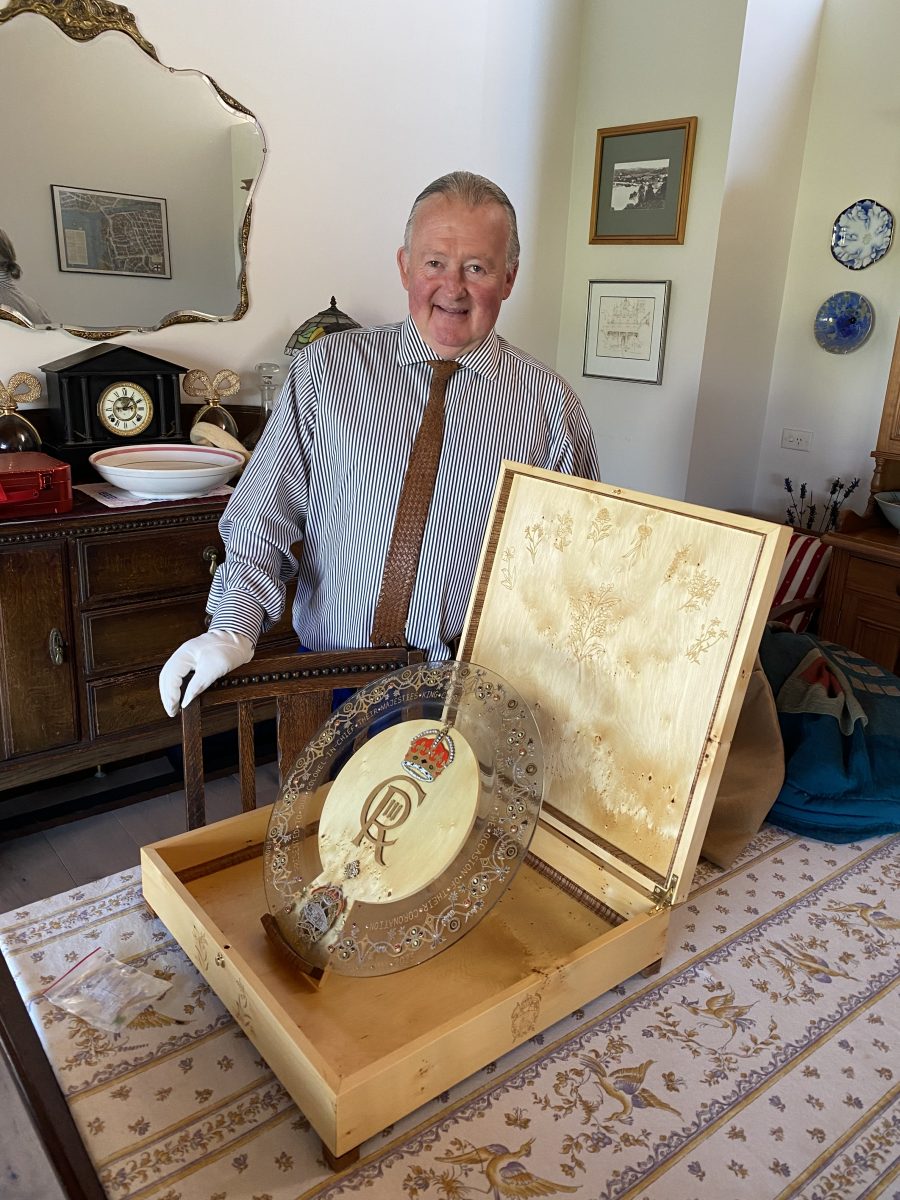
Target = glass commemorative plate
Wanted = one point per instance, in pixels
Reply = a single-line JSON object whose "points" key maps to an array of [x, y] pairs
{"points": [[404, 819], [844, 322], [862, 234]]}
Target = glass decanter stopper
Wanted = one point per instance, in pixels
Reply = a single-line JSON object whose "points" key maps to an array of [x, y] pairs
{"points": [[267, 372]]}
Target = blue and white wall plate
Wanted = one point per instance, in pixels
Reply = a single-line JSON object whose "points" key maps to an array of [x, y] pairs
{"points": [[862, 234], [844, 322]]}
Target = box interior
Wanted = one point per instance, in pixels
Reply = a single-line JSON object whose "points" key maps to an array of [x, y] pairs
{"points": [[533, 927]]}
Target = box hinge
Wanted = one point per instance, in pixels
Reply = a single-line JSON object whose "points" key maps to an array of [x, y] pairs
{"points": [[664, 898]]}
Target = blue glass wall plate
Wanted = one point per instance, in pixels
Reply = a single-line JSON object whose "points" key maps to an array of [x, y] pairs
{"points": [[862, 234], [844, 322]]}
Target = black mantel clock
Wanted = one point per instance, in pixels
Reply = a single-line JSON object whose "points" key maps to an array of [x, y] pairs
{"points": [[110, 396]]}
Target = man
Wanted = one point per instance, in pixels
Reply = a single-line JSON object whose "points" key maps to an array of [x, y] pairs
{"points": [[11, 295], [329, 469]]}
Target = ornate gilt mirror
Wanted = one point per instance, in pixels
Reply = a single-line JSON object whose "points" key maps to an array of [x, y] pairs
{"points": [[128, 184]]}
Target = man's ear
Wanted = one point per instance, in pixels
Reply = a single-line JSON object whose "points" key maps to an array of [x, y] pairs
{"points": [[403, 264], [511, 274]]}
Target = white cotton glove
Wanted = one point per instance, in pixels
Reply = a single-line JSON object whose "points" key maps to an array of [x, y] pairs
{"points": [[209, 656]]}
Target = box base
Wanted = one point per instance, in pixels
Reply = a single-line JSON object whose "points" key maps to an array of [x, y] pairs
{"points": [[358, 1054]]}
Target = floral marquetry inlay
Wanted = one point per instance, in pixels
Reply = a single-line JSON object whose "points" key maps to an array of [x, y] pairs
{"points": [[616, 616]]}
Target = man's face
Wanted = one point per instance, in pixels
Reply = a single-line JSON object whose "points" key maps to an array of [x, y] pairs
{"points": [[455, 273]]}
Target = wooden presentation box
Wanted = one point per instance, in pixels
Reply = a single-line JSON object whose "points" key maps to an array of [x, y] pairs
{"points": [[630, 624]]}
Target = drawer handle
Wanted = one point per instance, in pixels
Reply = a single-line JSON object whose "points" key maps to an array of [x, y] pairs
{"points": [[57, 647], [211, 556]]}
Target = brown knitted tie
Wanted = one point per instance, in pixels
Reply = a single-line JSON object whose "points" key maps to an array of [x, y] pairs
{"points": [[402, 562]]}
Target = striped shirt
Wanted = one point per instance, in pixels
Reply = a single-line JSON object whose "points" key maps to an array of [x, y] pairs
{"points": [[319, 495]]}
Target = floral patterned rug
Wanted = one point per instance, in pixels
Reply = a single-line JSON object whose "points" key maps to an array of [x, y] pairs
{"points": [[761, 1062]]}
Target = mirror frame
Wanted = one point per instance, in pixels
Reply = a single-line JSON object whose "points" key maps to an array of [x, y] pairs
{"points": [[83, 20]]}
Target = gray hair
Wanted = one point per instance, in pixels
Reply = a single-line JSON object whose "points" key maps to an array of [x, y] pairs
{"points": [[473, 190], [8, 257]]}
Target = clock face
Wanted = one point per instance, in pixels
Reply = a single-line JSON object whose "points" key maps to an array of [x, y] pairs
{"points": [[125, 409]]}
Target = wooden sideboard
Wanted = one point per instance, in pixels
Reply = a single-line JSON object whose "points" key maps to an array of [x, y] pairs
{"points": [[91, 604], [862, 595]]}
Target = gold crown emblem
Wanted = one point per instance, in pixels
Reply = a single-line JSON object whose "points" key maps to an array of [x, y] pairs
{"points": [[429, 753]]}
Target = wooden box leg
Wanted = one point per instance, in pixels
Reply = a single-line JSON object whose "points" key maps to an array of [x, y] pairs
{"points": [[653, 969], [339, 1162]]}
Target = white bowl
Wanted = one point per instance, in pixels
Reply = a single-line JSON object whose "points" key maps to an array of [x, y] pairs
{"points": [[160, 472], [889, 503]]}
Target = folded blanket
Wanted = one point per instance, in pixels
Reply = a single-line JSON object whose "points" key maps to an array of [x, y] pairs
{"points": [[839, 715]]}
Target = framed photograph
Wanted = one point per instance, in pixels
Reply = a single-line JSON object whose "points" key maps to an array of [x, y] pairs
{"points": [[626, 329], [111, 233], [642, 177]]}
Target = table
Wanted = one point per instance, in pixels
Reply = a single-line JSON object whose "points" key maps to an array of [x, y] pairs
{"points": [[760, 1062]]}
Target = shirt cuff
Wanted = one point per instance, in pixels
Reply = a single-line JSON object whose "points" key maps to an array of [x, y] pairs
{"points": [[238, 615]]}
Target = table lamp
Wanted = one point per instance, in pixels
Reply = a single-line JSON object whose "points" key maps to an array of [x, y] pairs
{"points": [[329, 320]]}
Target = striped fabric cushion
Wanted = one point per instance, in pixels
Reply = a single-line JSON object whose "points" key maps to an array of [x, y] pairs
{"points": [[802, 575]]}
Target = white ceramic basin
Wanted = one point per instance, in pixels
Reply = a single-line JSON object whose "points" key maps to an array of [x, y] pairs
{"points": [[166, 472]]}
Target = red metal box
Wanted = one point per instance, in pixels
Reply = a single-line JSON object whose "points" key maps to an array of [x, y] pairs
{"points": [[33, 485]]}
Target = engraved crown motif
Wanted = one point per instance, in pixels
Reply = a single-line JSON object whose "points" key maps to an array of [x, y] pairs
{"points": [[429, 753]]}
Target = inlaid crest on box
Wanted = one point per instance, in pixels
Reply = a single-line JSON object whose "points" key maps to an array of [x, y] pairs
{"points": [[629, 623]]}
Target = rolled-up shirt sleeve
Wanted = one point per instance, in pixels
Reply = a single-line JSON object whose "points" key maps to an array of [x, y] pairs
{"points": [[266, 515]]}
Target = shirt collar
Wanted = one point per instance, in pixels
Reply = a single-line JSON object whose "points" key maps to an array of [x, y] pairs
{"points": [[484, 359]]}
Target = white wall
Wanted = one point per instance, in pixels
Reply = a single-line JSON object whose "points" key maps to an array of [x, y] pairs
{"points": [[362, 104], [762, 180], [851, 153], [365, 102], [648, 61]]}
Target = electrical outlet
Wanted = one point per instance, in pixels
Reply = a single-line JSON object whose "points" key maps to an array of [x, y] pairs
{"points": [[796, 439]]}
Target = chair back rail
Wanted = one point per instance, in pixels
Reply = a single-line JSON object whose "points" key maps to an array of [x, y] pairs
{"points": [[301, 687]]}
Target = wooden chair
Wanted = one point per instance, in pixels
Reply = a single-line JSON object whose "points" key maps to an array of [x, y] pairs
{"points": [[801, 583], [301, 688]]}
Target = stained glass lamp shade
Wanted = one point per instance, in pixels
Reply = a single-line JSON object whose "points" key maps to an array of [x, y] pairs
{"points": [[329, 320]]}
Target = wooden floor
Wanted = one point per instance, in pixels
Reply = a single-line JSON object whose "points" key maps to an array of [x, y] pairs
{"points": [[36, 865]]}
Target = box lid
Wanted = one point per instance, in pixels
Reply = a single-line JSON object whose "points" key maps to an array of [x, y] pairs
{"points": [[630, 623], [27, 463]]}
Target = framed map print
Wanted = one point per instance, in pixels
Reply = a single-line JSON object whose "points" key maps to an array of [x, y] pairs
{"points": [[110, 233], [626, 329]]}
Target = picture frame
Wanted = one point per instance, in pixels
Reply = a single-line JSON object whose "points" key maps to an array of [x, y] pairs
{"points": [[111, 233], [642, 180], [625, 336]]}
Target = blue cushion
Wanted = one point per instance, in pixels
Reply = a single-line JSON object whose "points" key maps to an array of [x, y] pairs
{"points": [[839, 715]]}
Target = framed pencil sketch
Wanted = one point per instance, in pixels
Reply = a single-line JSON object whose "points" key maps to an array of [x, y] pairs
{"points": [[111, 233], [626, 329], [642, 177]]}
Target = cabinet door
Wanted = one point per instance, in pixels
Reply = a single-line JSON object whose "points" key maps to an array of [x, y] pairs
{"points": [[871, 627], [37, 676]]}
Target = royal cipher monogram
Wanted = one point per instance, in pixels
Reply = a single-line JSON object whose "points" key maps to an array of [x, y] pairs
{"points": [[387, 807], [389, 804]]}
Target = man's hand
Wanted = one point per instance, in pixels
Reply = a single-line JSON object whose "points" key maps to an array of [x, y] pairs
{"points": [[209, 656]]}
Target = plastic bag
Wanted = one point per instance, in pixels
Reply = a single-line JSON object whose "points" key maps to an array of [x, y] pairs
{"points": [[105, 992]]}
